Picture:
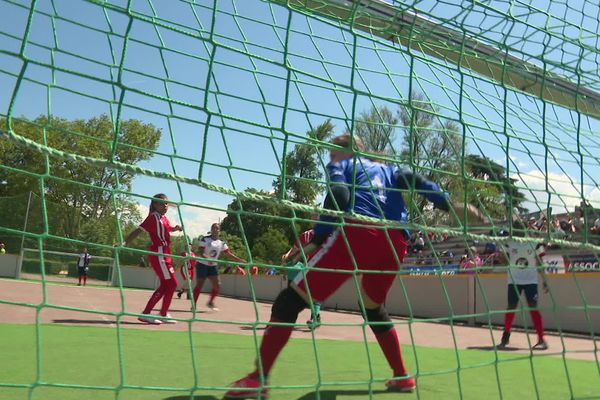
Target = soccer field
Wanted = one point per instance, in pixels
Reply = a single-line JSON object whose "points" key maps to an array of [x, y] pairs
{"points": [[161, 363]]}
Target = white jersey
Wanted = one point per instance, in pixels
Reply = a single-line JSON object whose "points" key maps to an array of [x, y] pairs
{"points": [[524, 259], [211, 248], [84, 260]]}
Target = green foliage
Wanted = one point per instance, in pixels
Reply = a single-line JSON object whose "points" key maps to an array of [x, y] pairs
{"points": [[256, 217], [303, 168], [377, 129], [85, 192], [235, 244], [270, 246]]}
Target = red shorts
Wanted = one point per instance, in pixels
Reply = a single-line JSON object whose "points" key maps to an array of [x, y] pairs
{"points": [[371, 249], [162, 264]]}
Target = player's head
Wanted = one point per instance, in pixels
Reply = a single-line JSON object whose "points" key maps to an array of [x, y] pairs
{"points": [[159, 204], [85, 250], [346, 141], [215, 229]]}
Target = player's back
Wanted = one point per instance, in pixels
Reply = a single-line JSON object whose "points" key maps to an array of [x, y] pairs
{"points": [[372, 183]]}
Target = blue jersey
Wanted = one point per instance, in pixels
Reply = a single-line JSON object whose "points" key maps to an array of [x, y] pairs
{"points": [[376, 190]]}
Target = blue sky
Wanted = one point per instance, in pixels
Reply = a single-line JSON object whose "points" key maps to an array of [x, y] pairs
{"points": [[260, 90]]}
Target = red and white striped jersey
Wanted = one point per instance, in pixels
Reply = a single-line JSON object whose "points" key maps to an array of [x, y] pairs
{"points": [[159, 229]]}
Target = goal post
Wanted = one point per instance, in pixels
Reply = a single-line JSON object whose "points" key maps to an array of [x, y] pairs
{"points": [[403, 25], [62, 264]]}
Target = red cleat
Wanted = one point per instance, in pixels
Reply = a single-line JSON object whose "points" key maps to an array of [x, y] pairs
{"points": [[246, 388], [401, 384]]}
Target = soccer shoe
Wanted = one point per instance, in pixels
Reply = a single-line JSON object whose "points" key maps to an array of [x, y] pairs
{"points": [[246, 388], [212, 306], [540, 345], [166, 319], [179, 293], [150, 320], [313, 324], [504, 341], [401, 384]]}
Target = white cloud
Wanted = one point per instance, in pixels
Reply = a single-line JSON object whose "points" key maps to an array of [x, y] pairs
{"points": [[196, 220], [564, 190], [517, 161]]}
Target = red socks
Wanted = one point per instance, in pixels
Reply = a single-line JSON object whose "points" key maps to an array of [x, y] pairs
{"points": [[388, 341], [273, 341], [538, 323], [509, 317], [536, 317], [213, 293]]}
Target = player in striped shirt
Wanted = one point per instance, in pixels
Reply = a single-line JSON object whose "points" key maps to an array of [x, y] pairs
{"points": [[159, 229], [524, 266], [370, 188]]}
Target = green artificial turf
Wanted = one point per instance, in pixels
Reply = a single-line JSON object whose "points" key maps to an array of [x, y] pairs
{"points": [[88, 358]]}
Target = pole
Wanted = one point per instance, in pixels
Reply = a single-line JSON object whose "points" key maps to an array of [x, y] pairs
{"points": [[21, 253]]}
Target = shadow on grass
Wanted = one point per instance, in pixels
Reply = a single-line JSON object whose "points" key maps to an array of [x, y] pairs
{"points": [[492, 348], [322, 395], [94, 322], [263, 327], [193, 398], [333, 394]]}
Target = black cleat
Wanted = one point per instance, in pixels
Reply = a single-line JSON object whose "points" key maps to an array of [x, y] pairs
{"points": [[504, 341]]}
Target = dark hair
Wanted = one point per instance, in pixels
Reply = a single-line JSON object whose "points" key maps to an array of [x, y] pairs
{"points": [[159, 196]]}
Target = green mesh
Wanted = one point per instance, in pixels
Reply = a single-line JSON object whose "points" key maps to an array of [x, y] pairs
{"points": [[234, 85]]}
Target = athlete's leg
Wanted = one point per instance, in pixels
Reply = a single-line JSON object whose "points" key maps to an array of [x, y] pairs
{"points": [[513, 301], [170, 284], [201, 272], [216, 287], [531, 294], [292, 300]]}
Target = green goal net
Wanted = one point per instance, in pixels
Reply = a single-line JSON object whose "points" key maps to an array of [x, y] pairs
{"points": [[228, 107]]}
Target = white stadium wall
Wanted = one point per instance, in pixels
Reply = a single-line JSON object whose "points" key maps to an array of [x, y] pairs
{"points": [[571, 305], [8, 265]]}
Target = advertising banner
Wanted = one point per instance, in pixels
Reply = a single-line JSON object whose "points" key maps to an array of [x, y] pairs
{"points": [[554, 264], [582, 263], [450, 269]]}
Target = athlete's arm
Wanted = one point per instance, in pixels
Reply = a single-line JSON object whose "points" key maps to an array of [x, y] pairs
{"points": [[338, 198], [132, 236], [440, 199], [232, 256]]}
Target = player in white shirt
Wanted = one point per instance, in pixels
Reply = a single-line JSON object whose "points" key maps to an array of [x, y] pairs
{"points": [[210, 248], [83, 265], [524, 266]]}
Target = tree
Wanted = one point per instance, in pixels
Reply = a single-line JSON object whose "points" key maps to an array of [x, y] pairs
{"points": [[85, 191], [303, 168], [507, 193], [377, 129], [432, 146], [256, 217], [270, 246]]}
